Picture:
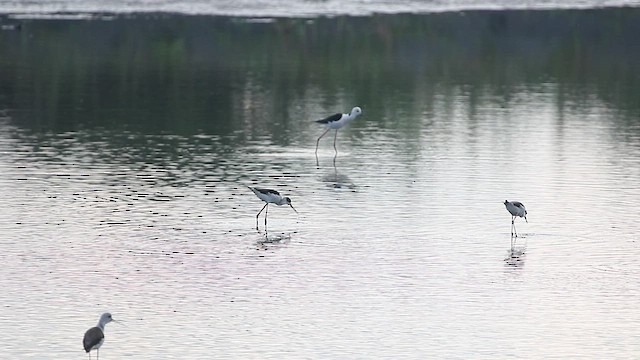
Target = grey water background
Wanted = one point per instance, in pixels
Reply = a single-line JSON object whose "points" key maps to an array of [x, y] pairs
{"points": [[127, 143]]}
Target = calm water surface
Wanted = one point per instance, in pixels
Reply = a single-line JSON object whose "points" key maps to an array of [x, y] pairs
{"points": [[127, 145]]}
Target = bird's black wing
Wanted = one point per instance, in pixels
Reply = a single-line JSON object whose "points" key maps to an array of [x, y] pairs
{"points": [[267, 191], [518, 204], [92, 337], [330, 119]]}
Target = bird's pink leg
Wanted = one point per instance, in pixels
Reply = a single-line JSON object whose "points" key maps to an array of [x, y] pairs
{"points": [[265, 217], [318, 141], [335, 137], [265, 205]]}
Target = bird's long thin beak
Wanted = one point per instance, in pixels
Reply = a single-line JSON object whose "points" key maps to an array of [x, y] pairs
{"points": [[294, 209]]}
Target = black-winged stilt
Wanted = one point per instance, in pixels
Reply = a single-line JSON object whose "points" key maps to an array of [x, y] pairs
{"points": [[94, 337], [516, 209], [270, 197], [336, 121]]}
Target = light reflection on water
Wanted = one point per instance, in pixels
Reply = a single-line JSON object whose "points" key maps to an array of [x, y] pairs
{"points": [[398, 250], [87, 10], [401, 249]]}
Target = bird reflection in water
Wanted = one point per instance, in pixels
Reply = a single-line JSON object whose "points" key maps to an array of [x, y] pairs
{"points": [[337, 180], [272, 240], [516, 255]]}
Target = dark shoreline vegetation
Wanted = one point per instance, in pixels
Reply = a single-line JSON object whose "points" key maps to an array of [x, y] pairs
{"points": [[191, 74]]}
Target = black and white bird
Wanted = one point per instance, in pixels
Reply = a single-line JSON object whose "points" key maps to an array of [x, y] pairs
{"points": [[516, 209], [336, 122], [269, 197], [94, 337]]}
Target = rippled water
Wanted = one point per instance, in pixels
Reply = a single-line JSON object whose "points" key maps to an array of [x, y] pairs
{"points": [[401, 249]]}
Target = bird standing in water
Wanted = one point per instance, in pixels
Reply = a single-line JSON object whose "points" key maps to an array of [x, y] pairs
{"points": [[336, 122], [516, 209], [270, 197], [94, 337]]}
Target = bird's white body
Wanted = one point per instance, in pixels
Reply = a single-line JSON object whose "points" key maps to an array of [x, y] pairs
{"points": [[516, 208], [344, 119], [269, 196]]}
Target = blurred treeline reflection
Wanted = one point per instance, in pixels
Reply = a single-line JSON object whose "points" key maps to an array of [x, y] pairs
{"points": [[190, 74]]}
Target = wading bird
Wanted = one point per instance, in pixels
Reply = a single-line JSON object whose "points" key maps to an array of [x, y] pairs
{"points": [[94, 337], [516, 209], [270, 197], [336, 122]]}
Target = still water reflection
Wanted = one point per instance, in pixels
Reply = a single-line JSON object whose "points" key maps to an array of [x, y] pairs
{"points": [[127, 146]]}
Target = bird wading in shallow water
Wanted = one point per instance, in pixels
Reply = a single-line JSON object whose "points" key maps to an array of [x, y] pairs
{"points": [[270, 197], [94, 337], [516, 209], [336, 122]]}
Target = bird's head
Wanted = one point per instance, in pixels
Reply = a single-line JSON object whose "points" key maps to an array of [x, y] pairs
{"points": [[106, 318], [356, 111], [506, 202], [287, 200]]}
